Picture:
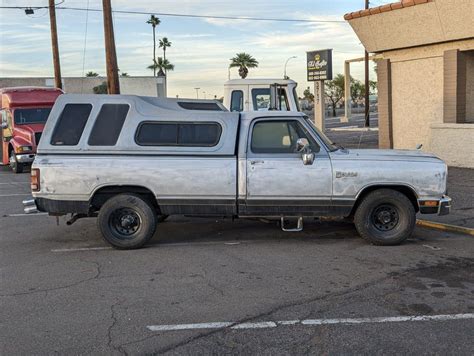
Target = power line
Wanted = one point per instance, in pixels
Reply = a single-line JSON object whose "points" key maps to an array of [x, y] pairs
{"points": [[182, 15]]}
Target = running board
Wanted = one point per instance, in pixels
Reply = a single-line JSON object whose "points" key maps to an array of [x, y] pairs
{"points": [[299, 225]]}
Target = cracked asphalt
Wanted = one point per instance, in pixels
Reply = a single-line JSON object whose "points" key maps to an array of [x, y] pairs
{"points": [[58, 296]]}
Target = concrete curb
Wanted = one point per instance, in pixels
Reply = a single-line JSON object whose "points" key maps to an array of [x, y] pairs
{"points": [[445, 227]]}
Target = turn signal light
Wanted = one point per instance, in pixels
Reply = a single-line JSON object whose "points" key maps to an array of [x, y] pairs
{"points": [[35, 180]]}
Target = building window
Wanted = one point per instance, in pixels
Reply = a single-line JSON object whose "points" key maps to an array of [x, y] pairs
{"points": [[205, 134], [108, 125], [237, 100], [70, 125]]}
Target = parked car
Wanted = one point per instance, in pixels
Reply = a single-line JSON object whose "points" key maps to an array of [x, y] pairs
{"points": [[24, 113], [132, 161]]}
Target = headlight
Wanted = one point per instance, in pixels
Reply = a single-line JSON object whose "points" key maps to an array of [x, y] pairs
{"points": [[23, 149]]}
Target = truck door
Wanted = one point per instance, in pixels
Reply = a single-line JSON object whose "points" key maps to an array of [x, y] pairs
{"points": [[278, 182]]}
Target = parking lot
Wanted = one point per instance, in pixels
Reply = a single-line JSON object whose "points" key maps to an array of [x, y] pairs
{"points": [[206, 286]]}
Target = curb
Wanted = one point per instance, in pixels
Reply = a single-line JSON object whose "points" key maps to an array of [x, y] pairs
{"points": [[445, 227]]}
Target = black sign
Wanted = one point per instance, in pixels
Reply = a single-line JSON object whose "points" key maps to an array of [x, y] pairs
{"points": [[319, 65]]}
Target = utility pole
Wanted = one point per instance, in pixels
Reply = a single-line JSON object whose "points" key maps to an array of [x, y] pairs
{"points": [[54, 45], [113, 86], [367, 89], [197, 92]]}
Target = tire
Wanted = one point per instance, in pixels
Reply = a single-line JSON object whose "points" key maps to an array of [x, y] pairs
{"points": [[127, 221], [385, 217], [14, 165]]}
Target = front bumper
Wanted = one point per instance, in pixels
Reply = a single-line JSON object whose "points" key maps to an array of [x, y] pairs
{"points": [[25, 158], [443, 206]]}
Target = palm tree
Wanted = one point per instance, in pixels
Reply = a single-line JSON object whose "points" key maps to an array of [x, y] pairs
{"points": [[92, 74], [244, 61], [163, 44], [154, 21], [161, 64]]}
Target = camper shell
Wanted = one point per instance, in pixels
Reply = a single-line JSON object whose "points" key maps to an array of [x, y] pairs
{"points": [[132, 161]]}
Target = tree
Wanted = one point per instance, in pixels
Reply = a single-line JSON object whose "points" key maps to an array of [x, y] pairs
{"points": [[335, 91], [92, 74], [100, 89], [164, 43], [243, 61], [308, 95], [154, 21], [161, 65]]}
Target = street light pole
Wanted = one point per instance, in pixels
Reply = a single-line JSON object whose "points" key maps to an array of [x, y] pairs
{"points": [[367, 89], [197, 92], [289, 59], [113, 85], [54, 45]]}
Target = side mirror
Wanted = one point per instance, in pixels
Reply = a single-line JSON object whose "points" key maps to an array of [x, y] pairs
{"points": [[302, 145], [4, 125]]}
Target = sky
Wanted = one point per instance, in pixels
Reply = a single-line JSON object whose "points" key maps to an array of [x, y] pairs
{"points": [[201, 48]]}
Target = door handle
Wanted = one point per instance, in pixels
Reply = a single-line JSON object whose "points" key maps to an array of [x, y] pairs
{"points": [[256, 162]]}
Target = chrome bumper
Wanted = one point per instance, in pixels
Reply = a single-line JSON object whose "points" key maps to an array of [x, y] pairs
{"points": [[30, 206], [25, 158], [444, 205]]}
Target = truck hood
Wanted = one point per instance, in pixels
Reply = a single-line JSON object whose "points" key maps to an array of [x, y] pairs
{"points": [[384, 155]]}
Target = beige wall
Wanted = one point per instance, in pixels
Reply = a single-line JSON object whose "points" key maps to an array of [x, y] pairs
{"points": [[130, 85], [454, 143]]}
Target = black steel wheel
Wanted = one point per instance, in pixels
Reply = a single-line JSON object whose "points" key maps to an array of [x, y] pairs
{"points": [[385, 217], [127, 221]]}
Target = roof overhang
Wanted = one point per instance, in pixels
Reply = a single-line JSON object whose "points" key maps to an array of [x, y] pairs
{"points": [[413, 23]]}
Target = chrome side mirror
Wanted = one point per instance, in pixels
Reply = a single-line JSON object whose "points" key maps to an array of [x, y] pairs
{"points": [[302, 145], [4, 125]]}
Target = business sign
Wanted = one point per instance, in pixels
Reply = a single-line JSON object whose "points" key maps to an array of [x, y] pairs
{"points": [[319, 65]]}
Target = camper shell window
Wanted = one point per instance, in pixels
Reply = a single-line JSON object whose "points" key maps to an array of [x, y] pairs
{"points": [[108, 125], [202, 134], [70, 125]]}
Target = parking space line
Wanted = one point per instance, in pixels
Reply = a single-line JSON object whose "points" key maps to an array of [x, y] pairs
{"points": [[24, 214], [82, 249], [309, 322], [14, 195]]}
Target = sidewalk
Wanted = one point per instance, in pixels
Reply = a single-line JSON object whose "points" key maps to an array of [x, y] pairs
{"points": [[461, 190]]}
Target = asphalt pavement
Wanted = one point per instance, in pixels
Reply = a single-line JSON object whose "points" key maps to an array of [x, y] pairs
{"points": [[211, 286]]}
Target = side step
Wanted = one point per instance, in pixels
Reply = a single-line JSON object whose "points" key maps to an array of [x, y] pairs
{"points": [[299, 225]]}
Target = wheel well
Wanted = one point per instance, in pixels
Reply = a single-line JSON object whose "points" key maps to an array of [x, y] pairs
{"points": [[407, 191], [105, 193]]}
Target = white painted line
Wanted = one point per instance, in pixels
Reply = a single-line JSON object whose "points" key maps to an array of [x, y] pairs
{"points": [[310, 322], [82, 249], [32, 214], [14, 195]]}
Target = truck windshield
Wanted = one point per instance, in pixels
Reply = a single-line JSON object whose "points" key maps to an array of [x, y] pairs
{"points": [[331, 145], [31, 116]]}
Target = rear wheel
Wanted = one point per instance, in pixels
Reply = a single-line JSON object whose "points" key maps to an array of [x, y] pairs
{"points": [[127, 221], [14, 164], [385, 217]]}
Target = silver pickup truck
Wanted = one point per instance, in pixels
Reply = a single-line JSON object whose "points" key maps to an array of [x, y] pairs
{"points": [[133, 161]]}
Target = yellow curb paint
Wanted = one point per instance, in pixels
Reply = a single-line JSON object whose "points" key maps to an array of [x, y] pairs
{"points": [[445, 227]]}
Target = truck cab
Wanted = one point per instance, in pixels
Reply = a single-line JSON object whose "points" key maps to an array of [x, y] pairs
{"points": [[23, 115], [255, 95]]}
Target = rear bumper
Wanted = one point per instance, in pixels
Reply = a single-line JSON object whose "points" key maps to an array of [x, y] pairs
{"points": [[443, 206], [25, 158]]}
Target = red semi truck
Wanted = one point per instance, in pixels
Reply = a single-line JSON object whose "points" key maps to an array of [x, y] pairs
{"points": [[24, 114]]}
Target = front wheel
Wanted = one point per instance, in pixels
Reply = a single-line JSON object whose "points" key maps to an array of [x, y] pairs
{"points": [[127, 221], [385, 217], [14, 164]]}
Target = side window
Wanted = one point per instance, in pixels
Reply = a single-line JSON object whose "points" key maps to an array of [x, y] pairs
{"points": [[178, 134], [237, 100], [261, 99], [70, 124], [279, 137], [108, 125]]}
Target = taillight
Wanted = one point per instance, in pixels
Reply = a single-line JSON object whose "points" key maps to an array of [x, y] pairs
{"points": [[35, 180]]}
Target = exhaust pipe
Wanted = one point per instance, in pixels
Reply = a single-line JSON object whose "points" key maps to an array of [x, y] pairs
{"points": [[30, 206]]}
